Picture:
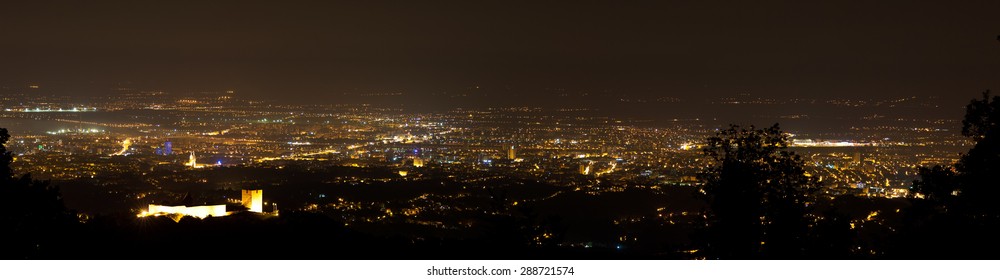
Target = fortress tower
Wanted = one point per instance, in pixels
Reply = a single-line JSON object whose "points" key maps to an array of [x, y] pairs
{"points": [[254, 200]]}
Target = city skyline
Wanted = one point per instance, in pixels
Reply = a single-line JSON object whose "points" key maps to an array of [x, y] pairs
{"points": [[379, 168]]}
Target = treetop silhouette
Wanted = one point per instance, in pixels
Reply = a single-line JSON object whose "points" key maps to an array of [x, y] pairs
{"points": [[758, 192], [32, 212]]}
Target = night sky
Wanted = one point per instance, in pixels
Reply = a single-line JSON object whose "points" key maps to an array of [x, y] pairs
{"points": [[318, 50]]}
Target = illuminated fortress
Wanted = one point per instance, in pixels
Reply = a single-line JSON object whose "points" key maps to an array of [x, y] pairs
{"points": [[253, 200], [200, 212]]}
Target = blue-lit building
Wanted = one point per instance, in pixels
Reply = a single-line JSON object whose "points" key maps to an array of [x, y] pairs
{"points": [[168, 148]]}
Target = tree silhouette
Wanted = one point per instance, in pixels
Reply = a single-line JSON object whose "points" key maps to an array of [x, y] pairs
{"points": [[6, 157], [757, 192], [31, 212], [978, 169], [973, 178], [937, 184], [958, 211]]}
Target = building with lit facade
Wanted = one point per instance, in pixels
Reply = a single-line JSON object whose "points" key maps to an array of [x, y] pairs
{"points": [[201, 212], [193, 162], [253, 200]]}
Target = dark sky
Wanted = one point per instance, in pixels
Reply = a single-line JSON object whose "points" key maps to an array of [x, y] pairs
{"points": [[308, 50]]}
